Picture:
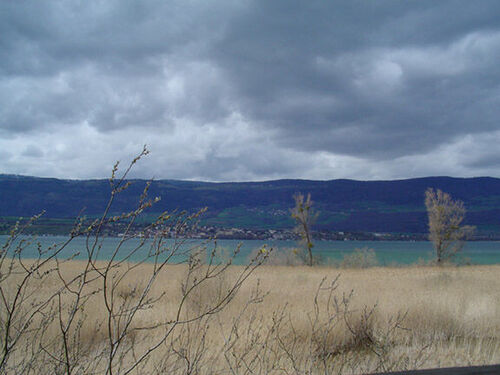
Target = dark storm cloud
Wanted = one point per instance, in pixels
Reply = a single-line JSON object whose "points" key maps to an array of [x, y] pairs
{"points": [[41, 38], [354, 77], [244, 90], [102, 62]]}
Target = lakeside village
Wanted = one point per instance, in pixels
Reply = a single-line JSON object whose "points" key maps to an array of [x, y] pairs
{"points": [[57, 228], [287, 234], [207, 232]]}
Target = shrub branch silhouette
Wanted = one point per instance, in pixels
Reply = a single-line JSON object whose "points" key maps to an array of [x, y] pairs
{"points": [[42, 334]]}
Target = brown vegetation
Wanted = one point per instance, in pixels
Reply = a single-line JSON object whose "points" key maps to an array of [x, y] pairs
{"points": [[282, 320], [446, 231]]}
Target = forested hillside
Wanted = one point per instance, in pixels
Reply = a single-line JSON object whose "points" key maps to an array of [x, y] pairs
{"points": [[344, 205]]}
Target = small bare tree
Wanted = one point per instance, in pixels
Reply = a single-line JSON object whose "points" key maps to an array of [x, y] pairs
{"points": [[445, 218], [305, 216]]}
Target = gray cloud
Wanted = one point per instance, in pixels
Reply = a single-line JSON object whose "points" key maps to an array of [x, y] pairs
{"points": [[250, 90], [32, 151], [375, 89]]}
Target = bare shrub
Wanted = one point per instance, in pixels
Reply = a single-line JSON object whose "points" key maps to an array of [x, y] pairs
{"points": [[53, 333], [334, 338]]}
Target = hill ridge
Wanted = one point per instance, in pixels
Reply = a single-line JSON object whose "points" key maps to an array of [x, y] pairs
{"points": [[392, 206]]}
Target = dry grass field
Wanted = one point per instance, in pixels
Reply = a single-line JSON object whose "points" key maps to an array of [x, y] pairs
{"points": [[281, 320]]}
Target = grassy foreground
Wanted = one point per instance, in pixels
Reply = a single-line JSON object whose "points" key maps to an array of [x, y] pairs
{"points": [[285, 320]]}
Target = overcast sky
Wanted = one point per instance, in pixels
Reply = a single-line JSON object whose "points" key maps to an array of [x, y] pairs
{"points": [[250, 90]]}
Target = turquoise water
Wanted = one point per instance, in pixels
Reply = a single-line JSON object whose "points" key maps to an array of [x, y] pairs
{"points": [[387, 252]]}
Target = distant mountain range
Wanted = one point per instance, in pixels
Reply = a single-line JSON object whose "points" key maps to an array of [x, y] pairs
{"points": [[344, 205]]}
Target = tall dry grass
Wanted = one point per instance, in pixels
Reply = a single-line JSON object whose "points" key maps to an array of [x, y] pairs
{"points": [[300, 320]]}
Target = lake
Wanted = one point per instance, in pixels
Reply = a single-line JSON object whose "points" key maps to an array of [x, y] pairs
{"points": [[387, 252]]}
